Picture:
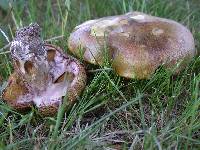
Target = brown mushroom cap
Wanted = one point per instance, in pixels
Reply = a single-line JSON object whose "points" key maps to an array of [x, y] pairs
{"points": [[137, 43], [68, 78]]}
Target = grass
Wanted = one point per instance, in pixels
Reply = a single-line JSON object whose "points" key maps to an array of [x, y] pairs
{"points": [[112, 112]]}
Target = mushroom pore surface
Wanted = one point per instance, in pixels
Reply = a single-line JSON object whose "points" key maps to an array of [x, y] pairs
{"points": [[43, 74], [136, 43]]}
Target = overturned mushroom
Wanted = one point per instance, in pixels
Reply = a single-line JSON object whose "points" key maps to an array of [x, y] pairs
{"points": [[137, 43], [43, 74]]}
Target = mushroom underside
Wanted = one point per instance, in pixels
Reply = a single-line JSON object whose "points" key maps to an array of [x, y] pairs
{"points": [[64, 72]]}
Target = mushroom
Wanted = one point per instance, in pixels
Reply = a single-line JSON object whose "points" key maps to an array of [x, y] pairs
{"points": [[43, 74], [137, 43]]}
